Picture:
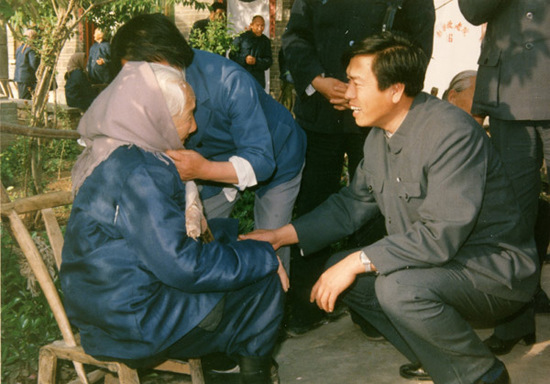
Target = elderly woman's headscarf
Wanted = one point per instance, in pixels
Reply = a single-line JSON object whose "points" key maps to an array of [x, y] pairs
{"points": [[77, 61], [130, 111]]}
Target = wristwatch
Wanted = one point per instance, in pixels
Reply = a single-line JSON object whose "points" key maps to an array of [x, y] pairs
{"points": [[366, 261]]}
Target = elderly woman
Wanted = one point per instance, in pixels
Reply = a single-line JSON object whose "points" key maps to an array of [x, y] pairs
{"points": [[136, 285], [78, 89], [461, 92]]}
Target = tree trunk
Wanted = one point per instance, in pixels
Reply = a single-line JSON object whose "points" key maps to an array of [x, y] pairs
{"points": [[45, 76], [4, 69]]}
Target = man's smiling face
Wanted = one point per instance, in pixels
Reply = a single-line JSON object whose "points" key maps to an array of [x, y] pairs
{"points": [[370, 105]]}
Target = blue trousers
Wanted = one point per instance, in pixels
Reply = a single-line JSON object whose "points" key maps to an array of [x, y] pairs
{"points": [[246, 322]]}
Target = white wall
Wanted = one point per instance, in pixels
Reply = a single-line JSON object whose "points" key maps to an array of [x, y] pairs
{"points": [[456, 46]]}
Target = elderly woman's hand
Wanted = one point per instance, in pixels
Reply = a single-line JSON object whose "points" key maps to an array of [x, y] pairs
{"points": [[285, 281], [190, 164]]}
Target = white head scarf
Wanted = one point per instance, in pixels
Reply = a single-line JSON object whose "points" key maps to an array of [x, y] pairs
{"points": [[130, 111]]}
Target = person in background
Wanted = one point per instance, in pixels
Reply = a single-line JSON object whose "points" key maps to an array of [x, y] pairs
{"points": [[138, 285], [217, 12], [78, 89], [513, 89], [99, 60], [452, 255], [26, 65], [317, 34], [461, 92], [252, 50]]}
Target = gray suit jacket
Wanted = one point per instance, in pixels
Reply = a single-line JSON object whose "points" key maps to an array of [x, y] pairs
{"points": [[514, 66], [445, 197]]}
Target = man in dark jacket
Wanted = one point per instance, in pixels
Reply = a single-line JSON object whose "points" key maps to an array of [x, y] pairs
{"points": [[513, 89], [217, 12], [317, 34], [26, 64], [252, 50]]}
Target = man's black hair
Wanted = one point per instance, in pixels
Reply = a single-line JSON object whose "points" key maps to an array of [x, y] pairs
{"points": [[217, 5], [151, 38], [396, 60]]}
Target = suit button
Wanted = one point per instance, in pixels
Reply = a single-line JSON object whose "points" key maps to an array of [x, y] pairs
{"points": [[199, 144], [398, 179], [529, 46], [370, 188], [529, 15]]}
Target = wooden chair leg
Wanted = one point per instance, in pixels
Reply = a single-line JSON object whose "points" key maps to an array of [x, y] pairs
{"points": [[127, 375], [110, 378], [197, 376], [47, 367]]}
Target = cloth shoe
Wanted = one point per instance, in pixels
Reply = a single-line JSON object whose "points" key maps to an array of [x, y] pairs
{"points": [[256, 369]]}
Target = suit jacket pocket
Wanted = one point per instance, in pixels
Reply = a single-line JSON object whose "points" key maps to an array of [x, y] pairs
{"points": [[488, 79], [407, 191]]}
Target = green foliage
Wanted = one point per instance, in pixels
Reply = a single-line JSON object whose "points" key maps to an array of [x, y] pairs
{"points": [[111, 15], [22, 14], [27, 322], [218, 37], [57, 156], [244, 211]]}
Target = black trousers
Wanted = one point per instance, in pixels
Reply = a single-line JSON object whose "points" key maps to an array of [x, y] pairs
{"points": [[321, 177], [522, 146]]}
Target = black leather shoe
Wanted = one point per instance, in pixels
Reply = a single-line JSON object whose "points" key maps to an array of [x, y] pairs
{"points": [[295, 330], [414, 371], [501, 347], [368, 330], [496, 375]]}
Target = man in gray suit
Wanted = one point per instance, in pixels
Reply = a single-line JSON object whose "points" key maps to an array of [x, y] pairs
{"points": [[457, 249], [513, 89]]}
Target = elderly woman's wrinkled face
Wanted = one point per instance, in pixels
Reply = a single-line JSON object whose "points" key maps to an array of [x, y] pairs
{"points": [[464, 99], [185, 122]]}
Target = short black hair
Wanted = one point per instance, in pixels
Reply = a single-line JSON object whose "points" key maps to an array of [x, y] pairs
{"points": [[396, 60], [217, 5], [151, 38]]}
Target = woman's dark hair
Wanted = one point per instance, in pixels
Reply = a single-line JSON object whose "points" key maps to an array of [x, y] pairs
{"points": [[151, 38], [396, 60]]}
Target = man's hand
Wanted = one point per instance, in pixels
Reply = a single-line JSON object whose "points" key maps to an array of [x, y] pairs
{"points": [[336, 280], [279, 237], [333, 90], [100, 61], [285, 282], [250, 60], [190, 164]]}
